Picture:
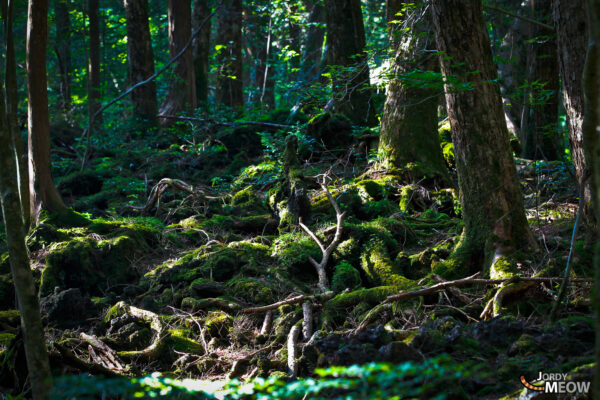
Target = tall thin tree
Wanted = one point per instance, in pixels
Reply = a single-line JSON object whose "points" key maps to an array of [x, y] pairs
{"points": [[201, 48], [229, 55], [94, 91], [62, 49], [43, 192]]}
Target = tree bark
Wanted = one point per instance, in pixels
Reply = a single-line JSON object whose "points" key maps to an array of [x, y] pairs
{"points": [[94, 92], [12, 105], [141, 61], [229, 55], [201, 49], [539, 138], [63, 51], [31, 322], [490, 195], [409, 125], [572, 39], [312, 50], [43, 193], [346, 48], [182, 86]]}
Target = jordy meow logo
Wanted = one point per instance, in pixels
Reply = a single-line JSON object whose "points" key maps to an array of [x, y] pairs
{"points": [[555, 383]]}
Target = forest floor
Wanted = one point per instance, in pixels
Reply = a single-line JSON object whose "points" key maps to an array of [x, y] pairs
{"points": [[171, 287]]}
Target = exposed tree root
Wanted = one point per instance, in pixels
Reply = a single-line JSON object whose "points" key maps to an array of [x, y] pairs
{"points": [[472, 280], [108, 357], [292, 300], [67, 357], [292, 344], [267, 323], [307, 320]]}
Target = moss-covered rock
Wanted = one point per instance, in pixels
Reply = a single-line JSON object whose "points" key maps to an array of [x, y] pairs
{"points": [[370, 190], [251, 290], [218, 324], [345, 276], [336, 309], [10, 317], [333, 130]]}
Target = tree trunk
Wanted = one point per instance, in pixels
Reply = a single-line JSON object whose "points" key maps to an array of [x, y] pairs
{"points": [[572, 38], [346, 48], [43, 193], [38, 365], [409, 125], [182, 86], [539, 138], [141, 61], [63, 51], [591, 126], [94, 92], [312, 50], [12, 105], [490, 195], [229, 55], [201, 49]]}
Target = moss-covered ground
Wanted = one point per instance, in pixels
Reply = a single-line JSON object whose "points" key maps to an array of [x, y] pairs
{"points": [[197, 260]]}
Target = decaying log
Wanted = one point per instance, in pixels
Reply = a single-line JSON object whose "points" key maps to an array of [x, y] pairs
{"points": [[291, 348]]}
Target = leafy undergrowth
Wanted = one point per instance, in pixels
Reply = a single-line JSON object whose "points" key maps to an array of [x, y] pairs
{"points": [[166, 292]]}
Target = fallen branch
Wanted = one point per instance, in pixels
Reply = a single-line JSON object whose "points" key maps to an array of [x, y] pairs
{"points": [[222, 123], [71, 359], [472, 280], [158, 190], [110, 359], [327, 251], [292, 300], [267, 323], [307, 320], [521, 17]]}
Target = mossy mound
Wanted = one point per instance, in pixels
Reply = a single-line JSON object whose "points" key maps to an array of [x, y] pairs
{"points": [[250, 290], [359, 301], [378, 268], [345, 276], [333, 130]]}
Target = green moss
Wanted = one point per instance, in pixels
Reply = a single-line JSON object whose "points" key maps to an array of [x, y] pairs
{"points": [[345, 276], [10, 317], [6, 338], [257, 175], [445, 132], [218, 324], [336, 309], [294, 249], [66, 218], [180, 341], [371, 190], [348, 251], [379, 268], [4, 264], [245, 197], [251, 290]]}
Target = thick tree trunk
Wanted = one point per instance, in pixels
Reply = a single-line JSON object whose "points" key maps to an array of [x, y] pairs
{"points": [[572, 38], [346, 48], [201, 48], [490, 195], [41, 185], [141, 61], [591, 127], [539, 138], [38, 365], [182, 86], [409, 125], [63, 51], [94, 92], [312, 50], [12, 105], [229, 55]]}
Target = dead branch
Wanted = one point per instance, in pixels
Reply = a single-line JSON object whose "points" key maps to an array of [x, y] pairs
{"points": [[71, 359], [471, 280], [291, 348], [222, 123], [327, 251], [158, 190], [292, 300], [307, 320], [108, 355]]}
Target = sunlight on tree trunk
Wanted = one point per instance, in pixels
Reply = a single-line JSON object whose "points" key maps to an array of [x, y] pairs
{"points": [[491, 199]]}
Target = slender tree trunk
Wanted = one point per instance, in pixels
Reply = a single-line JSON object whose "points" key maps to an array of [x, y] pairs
{"points": [[312, 50], [229, 55], [572, 37], [141, 61], [182, 86], [346, 48], [38, 365], [12, 105], [201, 49], [43, 193], [63, 51], [540, 139], [490, 195], [94, 91], [409, 125]]}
